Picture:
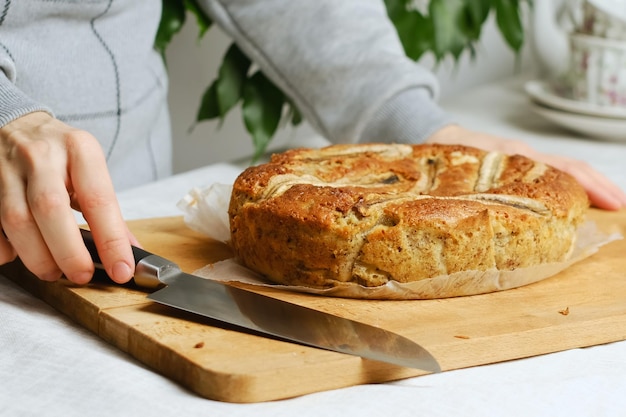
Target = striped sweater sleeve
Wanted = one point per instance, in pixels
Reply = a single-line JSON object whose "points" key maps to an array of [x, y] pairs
{"points": [[13, 102]]}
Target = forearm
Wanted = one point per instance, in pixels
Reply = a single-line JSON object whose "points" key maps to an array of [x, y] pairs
{"points": [[340, 62]]}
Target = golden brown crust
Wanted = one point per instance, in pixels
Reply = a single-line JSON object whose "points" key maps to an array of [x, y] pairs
{"points": [[372, 213]]}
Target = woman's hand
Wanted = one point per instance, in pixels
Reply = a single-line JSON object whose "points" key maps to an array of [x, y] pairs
{"points": [[602, 192], [46, 169]]}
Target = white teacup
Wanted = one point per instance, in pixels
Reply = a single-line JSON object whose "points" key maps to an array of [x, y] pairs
{"points": [[604, 18], [597, 72]]}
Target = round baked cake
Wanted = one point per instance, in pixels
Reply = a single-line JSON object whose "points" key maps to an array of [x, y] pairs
{"points": [[373, 213]]}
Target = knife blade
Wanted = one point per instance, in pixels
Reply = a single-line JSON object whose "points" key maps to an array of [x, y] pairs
{"points": [[267, 315]]}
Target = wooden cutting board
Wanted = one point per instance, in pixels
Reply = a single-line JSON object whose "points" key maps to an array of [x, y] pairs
{"points": [[582, 306]]}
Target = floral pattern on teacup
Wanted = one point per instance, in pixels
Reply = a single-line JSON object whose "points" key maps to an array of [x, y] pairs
{"points": [[597, 72], [598, 22]]}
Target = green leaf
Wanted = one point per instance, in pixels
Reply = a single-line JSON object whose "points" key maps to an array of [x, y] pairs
{"points": [[209, 106], [202, 19], [414, 29], [396, 8], [296, 116], [475, 15], [509, 22], [447, 16], [478, 10], [231, 78], [172, 20], [261, 110], [416, 34], [293, 114]]}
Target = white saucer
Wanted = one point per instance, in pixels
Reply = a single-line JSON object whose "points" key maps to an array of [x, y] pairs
{"points": [[541, 92], [604, 128]]}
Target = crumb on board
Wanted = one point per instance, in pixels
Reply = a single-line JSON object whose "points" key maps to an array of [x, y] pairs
{"points": [[461, 336], [564, 312], [199, 345]]}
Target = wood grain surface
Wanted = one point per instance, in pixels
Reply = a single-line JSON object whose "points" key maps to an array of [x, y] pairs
{"points": [[582, 306]]}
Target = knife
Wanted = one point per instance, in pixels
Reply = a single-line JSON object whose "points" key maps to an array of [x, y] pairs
{"points": [[269, 315]]}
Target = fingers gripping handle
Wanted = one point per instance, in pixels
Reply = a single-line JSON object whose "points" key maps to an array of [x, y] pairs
{"points": [[138, 253], [151, 271]]}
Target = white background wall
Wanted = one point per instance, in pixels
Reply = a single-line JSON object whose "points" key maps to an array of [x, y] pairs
{"points": [[193, 65]]}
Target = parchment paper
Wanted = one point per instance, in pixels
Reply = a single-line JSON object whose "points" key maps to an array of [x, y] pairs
{"points": [[206, 211]]}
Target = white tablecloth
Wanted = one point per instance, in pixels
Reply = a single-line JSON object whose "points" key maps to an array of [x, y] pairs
{"points": [[50, 366]]}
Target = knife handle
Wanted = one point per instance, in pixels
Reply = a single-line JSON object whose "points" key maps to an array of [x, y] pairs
{"points": [[150, 269]]}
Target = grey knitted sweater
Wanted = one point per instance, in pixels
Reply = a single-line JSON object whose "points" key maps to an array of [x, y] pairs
{"points": [[91, 64]]}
